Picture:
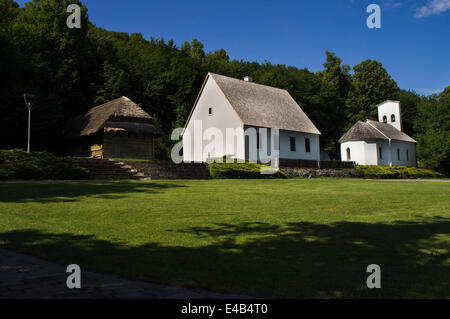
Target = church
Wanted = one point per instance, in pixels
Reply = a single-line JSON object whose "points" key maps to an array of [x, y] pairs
{"points": [[380, 142]]}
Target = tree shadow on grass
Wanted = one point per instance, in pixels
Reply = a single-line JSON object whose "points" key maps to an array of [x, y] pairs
{"points": [[45, 192], [293, 260]]}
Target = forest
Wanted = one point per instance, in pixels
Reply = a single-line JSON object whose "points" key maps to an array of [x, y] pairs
{"points": [[71, 70]]}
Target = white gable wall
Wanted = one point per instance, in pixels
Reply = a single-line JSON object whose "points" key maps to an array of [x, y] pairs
{"points": [[223, 117], [361, 152]]}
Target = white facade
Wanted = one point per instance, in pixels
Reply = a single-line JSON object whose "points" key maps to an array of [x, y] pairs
{"points": [[389, 112], [379, 152], [300, 145], [361, 152], [213, 110], [222, 116]]}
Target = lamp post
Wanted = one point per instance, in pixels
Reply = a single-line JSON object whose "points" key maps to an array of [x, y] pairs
{"points": [[29, 106]]}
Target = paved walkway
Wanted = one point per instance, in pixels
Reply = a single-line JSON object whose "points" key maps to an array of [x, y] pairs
{"points": [[414, 180], [23, 276]]}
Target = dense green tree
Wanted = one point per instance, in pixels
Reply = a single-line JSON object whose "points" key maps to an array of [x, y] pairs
{"points": [[409, 101], [72, 70], [56, 68], [115, 84], [433, 127], [371, 85], [12, 70], [335, 85]]}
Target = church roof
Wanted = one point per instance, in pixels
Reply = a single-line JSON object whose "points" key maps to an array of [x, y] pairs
{"points": [[361, 131], [120, 114], [391, 132], [374, 130], [265, 106]]}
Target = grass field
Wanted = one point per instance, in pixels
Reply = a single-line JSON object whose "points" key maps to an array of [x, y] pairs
{"points": [[275, 238]]}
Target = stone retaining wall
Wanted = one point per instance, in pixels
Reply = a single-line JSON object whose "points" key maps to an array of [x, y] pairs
{"points": [[315, 172]]}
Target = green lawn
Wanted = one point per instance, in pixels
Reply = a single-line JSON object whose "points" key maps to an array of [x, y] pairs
{"points": [[285, 238]]}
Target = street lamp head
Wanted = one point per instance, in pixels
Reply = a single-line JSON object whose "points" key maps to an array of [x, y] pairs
{"points": [[27, 103]]}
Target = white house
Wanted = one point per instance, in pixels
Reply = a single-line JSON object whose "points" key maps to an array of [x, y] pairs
{"points": [[380, 143], [226, 105]]}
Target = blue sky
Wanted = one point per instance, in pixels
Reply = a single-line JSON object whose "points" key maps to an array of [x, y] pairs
{"points": [[413, 41]]}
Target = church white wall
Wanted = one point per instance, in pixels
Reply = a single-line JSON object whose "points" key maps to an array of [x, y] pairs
{"points": [[361, 152], [403, 147], [367, 152], [223, 117], [384, 157]]}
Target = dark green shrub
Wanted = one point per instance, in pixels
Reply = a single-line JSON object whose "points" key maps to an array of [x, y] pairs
{"points": [[399, 172], [241, 171], [19, 164]]}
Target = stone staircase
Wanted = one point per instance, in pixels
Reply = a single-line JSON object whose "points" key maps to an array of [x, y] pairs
{"points": [[109, 169], [170, 170]]}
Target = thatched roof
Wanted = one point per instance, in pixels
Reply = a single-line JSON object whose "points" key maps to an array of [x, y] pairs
{"points": [[374, 130], [263, 106], [120, 114]]}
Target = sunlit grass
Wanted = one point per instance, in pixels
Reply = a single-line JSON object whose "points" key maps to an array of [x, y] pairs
{"points": [[288, 238]]}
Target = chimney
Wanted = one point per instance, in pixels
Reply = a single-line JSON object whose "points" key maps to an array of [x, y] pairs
{"points": [[248, 79]]}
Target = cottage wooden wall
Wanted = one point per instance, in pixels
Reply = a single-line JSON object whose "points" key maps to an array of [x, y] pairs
{"points": [[127, 146]]}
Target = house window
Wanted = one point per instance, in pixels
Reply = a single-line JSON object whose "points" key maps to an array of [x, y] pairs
{"points": [[398, 154], [407, 155], [381, 153], [292, 140], [348, 154], [210, 111], [257, 140], [385, 119], [392, 118], [307, 145]]}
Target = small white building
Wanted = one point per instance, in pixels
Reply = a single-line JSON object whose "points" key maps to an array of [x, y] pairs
{"points": [[380, 143], [228, 104]]}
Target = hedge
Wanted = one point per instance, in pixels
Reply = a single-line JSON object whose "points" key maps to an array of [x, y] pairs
{"points": [[19, 164], [241, 171], [395, 172]]}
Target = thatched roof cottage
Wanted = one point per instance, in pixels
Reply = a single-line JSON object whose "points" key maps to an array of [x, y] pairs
{"points": [[116, 129]]}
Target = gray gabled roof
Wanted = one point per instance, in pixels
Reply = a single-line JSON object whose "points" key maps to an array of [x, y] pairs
{"points": [[264, 106], [361, 131], [374, 130], [391, 132]]}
